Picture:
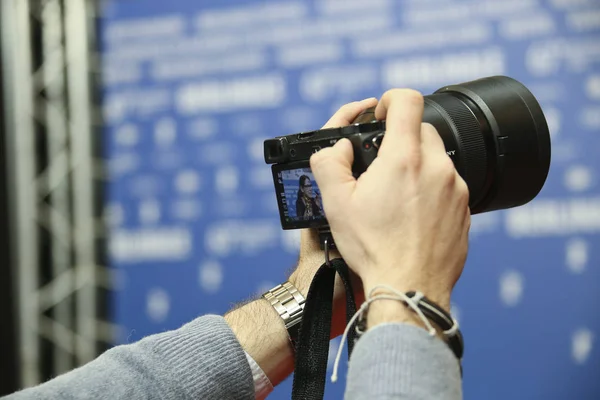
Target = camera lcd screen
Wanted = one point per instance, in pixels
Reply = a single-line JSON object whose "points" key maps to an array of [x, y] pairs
{"points": [[298, 196]]}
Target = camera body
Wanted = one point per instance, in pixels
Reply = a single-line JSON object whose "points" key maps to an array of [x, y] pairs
{"points": [[290, 156], [493, 130], [365, 138]]}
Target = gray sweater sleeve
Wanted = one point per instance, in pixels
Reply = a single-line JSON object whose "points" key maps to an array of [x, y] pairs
{"points": [[204, 360], [201, 360], [401, 361]]}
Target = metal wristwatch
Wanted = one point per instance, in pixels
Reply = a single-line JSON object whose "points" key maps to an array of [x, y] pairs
{"points": [[289, 304]]}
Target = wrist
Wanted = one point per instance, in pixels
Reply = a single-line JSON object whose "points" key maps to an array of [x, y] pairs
{"points": [[270, 348], [384, 311], [433, 290], [301, 281], [288, 302], [303, 276], [309, 263], [390, 311]]}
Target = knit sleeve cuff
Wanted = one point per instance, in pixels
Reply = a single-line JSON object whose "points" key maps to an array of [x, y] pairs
{"points": [[207, 359], [402, 361]]}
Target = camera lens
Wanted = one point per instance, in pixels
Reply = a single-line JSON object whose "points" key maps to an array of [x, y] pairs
{"points": [[497, 136], [501, 139]]}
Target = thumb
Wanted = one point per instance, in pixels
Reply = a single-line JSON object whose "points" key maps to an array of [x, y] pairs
{"points": [[348, 113], [332, 168]]}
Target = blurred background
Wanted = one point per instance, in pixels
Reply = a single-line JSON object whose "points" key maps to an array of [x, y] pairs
{"points": [[134, 196]]}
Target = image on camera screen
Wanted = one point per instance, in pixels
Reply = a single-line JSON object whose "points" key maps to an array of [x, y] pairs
{"points": [[301, 198]]}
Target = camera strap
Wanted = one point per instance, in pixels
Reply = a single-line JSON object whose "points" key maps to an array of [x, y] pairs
{"points": [[312, 347]]}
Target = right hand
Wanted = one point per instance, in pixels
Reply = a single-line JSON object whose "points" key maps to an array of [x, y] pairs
{"points": [[405, 221]]}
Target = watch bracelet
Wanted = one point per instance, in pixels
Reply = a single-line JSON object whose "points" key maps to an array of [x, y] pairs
{"points": [[288, 302]]}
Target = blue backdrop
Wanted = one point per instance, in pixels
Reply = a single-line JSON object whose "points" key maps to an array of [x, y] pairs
{"points": [[192, 88]]}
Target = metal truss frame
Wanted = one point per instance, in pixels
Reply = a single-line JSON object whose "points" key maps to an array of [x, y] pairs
{"points": [[52, 125]]}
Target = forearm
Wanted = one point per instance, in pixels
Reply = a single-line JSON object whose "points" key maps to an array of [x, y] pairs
{"points": [[203, 359], [262, 334]]}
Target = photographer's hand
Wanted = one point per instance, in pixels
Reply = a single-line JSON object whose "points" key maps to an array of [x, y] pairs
{"points": [[258, 327], [405, 221]]}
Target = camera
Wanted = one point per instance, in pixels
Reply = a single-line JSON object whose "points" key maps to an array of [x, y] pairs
{"points": [[493, 129]]}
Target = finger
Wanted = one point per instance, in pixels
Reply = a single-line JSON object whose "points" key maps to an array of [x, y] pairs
{"points": [[332, 169], [463, 191], [431, 142], [466, 225], [403, 111], [348, 113]]}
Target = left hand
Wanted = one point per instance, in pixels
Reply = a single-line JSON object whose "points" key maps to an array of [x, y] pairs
{"points": [[311, 255], [258, 327]]}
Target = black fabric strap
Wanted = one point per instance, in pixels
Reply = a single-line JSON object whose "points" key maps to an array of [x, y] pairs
{"points": [[344, 273], [312, 349]]}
